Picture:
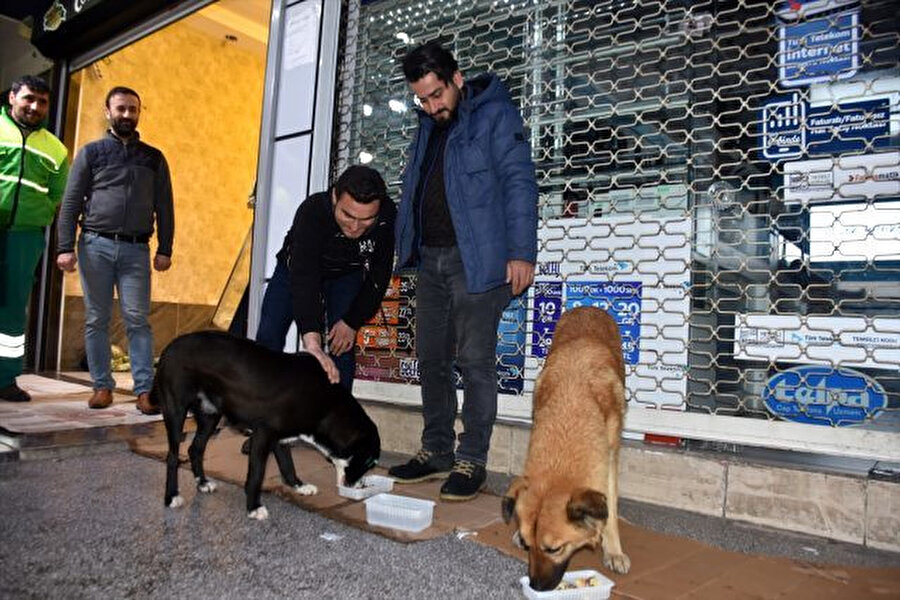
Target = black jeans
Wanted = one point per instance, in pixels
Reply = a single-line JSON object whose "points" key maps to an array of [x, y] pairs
{"points": [[453, 324]]}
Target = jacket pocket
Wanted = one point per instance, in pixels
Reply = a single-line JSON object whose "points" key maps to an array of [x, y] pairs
{"points": [[478, 187]]}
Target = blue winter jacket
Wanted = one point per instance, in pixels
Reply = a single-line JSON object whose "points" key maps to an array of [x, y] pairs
{"points": [[489, 182]]}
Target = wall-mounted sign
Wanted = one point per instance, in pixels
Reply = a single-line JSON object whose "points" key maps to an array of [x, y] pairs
{"points": [[832, 341], [791, 128], [783, 127], [848, 127], [790, 10], [621, 299], [850, 177], [818, 50], [824, 396]]}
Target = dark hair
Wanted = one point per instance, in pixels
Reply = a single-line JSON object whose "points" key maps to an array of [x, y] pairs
{"points": [[121, 89], [430, 57], [32, 82], [363, 183]]}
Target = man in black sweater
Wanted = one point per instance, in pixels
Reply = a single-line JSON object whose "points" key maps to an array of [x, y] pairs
{"points": [[332, 271]]}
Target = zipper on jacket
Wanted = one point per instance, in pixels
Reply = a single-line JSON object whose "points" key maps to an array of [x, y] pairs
{"points": [[15, 206]]}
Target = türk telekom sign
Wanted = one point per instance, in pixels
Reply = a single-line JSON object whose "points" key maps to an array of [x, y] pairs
{"points": [[819, 50]]}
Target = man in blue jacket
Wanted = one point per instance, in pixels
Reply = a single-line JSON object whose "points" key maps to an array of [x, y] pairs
{"points": [[467, 221]]}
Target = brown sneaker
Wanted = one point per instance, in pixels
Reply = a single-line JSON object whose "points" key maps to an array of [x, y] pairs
{"points": [[143, 404], [101, 399]]}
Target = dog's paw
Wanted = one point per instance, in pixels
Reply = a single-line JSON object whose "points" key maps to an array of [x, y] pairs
{"points": [[176, 501], [259, 514], [207, 487], [620, 563], [307, 489]]}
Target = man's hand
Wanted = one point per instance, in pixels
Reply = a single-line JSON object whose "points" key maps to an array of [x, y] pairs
{"points": [[341, 338], [161, 262], [312, 343], [66, 261], [519, 274]]}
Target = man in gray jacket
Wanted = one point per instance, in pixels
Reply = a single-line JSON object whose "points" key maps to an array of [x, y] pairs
{"points": [[117, 187]]}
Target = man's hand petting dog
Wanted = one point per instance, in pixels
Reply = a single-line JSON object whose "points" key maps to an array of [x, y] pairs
{"points": [[312, 343]]}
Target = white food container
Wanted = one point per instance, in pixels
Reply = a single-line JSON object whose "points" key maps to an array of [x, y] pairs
{"points": [[600, 591], [371, 485], [399, 512]]}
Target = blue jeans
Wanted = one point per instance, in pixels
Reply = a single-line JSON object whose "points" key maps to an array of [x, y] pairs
{"points": [[277, 313], [105, 264], [452, 323]]}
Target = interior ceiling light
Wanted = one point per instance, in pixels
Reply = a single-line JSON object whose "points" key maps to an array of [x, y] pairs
{"points": [[397, 106], [365, 158], [367, 110]]}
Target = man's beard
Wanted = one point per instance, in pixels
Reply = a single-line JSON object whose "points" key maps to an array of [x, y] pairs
{"points": [[27, 119], [124, 127], [446, 119]]}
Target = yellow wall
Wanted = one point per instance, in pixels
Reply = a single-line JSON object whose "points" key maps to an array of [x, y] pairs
{"points": [[201, 104]]}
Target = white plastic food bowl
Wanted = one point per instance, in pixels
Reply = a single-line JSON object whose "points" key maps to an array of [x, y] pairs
{"points": [[399, 512], [600, 591], [371, 485]]}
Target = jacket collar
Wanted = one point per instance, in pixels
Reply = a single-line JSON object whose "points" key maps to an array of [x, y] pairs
{"points": [[135, 138], [26, 131]]}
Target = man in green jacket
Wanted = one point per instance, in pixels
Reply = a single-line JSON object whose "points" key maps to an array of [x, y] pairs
{"points": [[33, 169]]}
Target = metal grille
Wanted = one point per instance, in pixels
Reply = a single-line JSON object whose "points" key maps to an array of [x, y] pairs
{"points": [[722, 177]]}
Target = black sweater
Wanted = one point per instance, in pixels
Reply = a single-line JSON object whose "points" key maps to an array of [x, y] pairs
{"points": [[315, 250]]}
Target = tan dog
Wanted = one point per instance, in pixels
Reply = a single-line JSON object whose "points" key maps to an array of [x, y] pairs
{"points": [[568, 495]]}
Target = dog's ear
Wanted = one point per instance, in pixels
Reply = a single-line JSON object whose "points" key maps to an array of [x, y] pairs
{"points": [[587, 506], [508, 504]]}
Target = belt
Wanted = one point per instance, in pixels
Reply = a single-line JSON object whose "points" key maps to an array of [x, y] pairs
{"points": [[121, 237]]}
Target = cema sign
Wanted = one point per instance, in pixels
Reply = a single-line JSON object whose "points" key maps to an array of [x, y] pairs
{"points": [[819, 50], [821, 395]]}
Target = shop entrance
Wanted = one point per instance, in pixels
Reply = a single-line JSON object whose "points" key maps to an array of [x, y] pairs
{"points": [[201, 84]]}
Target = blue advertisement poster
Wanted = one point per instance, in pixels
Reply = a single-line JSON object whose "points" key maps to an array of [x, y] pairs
{"points": [[792, 129], [622, 300], [547, 309], [822, 395], [511, 347], [783, 127], [818, 50], [848, 127]]}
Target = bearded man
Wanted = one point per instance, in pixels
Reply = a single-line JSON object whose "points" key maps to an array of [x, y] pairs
{"points": [[117, 188]]}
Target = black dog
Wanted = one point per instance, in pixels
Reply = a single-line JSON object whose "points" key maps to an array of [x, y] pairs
{"points": [[276, 395]]}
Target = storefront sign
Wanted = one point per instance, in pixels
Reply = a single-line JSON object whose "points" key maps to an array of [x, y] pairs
{"points": [[824, 396], [819, 50], [832, 341], [622, 300], [790, 10], [511, 347], [791, 128], [848, 127], [850, 177], [547, 310], [63, 28], [784, 131]]}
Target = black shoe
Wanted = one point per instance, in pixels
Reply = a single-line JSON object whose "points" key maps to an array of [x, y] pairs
{"points": [[13, 393], [424, 465], [465, 481]]}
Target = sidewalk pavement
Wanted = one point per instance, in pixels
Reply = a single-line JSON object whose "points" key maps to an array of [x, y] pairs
{"points": [[663, 565]]}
